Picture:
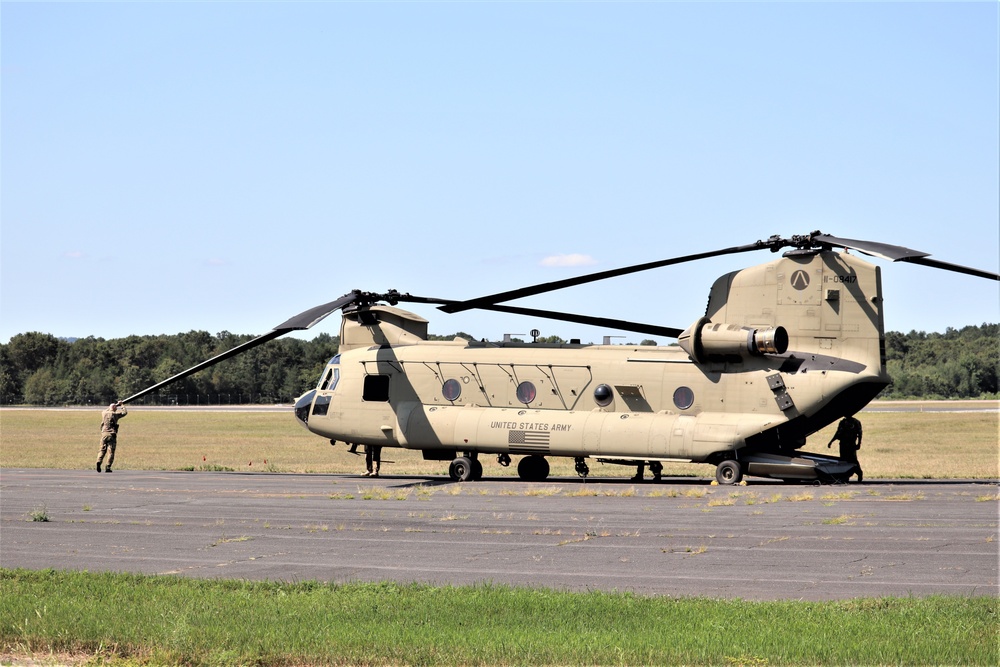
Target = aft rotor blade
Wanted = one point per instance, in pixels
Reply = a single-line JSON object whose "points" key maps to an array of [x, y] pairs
{"points": [[483, 301], [883, 250], [898, 253], [303, 320], [623, 325], [957, 268]]}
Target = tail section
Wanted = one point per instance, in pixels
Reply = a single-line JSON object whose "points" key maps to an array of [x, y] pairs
{"points": [[830, 306]]}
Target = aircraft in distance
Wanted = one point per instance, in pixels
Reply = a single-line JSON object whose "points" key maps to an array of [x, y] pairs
{"points": [[783, 350]]}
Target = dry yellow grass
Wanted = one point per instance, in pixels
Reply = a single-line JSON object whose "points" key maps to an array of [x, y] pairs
{"points": [[896, 445], [925, 445]]}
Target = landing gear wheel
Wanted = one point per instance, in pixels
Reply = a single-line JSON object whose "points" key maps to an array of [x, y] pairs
{"points": [[477, 470], [728, 473], [533, 468], [461, 469]]}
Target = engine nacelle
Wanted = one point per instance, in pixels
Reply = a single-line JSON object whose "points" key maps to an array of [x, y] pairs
{"points": [[707, 341]]}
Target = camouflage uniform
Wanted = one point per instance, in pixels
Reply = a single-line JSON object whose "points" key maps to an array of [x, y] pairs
{"points": [[373, 454], [849, 433], [109, 433], [655, 467]]}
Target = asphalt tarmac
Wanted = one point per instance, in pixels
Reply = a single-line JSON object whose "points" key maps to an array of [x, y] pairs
{"points": [[681, 537]]}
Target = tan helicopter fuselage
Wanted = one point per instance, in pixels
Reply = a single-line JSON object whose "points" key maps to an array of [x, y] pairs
{"points": [[785, 348]]}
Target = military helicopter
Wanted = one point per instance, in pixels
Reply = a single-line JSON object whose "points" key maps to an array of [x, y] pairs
{"points": [[784, 349]]}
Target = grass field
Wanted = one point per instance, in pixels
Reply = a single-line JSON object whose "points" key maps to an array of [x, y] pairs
{"points": [[51, 617], [921, 445], [131, 619]]}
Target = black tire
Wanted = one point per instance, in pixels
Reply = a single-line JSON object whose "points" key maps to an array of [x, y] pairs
{"points": [[543, 469], [477, 470], [533, 468], [729, 472], [461, 469]]}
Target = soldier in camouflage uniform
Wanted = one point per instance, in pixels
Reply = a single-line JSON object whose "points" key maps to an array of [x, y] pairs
{"points": [[655, 467], [849, 434], [109, 433], [373, 454]]}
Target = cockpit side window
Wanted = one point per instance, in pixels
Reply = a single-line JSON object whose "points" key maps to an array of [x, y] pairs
{"points": [[325, 382], [332, 376]]}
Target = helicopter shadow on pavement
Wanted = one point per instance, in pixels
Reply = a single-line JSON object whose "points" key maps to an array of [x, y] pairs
{"points": [[409, 482]]}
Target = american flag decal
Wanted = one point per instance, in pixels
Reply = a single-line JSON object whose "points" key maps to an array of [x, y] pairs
{"points": [[526, 442], [528, 438]]}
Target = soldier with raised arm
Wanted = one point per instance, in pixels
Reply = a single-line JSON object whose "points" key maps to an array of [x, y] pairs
{"points": [[109, 433]]}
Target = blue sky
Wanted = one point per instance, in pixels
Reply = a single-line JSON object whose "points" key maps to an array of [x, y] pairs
{"points": [[169, 167]]}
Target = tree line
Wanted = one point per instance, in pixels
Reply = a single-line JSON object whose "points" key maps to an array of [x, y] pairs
{"points": [[40, 369], [959, 363]]}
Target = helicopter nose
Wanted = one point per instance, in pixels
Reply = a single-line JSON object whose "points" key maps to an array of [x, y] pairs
{"points": [[302, 407]]}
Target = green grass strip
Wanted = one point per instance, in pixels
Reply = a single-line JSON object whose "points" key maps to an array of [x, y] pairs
{"points": [[170, 620]]}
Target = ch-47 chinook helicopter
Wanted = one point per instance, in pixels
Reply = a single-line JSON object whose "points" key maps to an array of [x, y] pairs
{"points": [[784, 349]]}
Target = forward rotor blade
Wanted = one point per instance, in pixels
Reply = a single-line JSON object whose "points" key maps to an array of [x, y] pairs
{"points": [[312, 316], [897, 253], [239, 349], [774, 243], [303, 320]]}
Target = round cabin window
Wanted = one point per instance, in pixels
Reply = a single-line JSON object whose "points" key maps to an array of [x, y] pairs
{"points": [[526, 392], [451, 390], [683, 398]]}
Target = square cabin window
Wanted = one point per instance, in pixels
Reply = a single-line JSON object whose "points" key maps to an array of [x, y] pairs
{"points": [[376, 388]]}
